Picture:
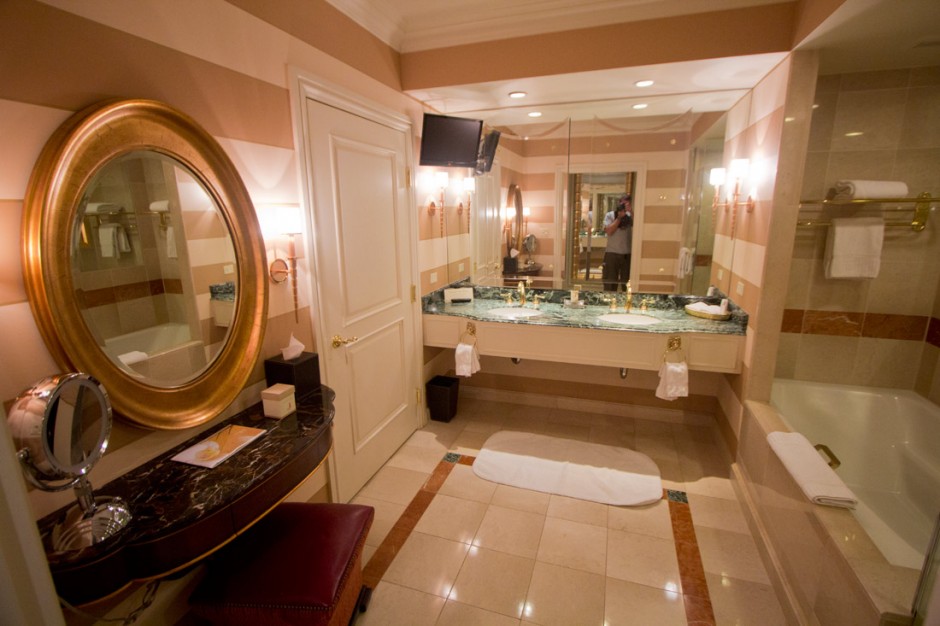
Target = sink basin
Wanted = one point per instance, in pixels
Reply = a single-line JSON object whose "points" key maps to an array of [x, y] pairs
{"points": [[628, 319], [514, 313]]}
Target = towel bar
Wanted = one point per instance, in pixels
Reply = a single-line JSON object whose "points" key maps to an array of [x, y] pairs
{"points": [[918, 223]]}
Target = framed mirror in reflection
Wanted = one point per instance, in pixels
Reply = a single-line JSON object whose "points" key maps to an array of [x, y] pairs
{"points": [[602, 214], [154, 268], [143, 262]]}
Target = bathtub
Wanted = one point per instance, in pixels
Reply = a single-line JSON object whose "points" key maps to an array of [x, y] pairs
{"points": [[165, 352], [886, 440]]}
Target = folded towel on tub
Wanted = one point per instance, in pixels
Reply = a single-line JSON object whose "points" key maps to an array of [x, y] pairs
{"points": [[814, 476]]}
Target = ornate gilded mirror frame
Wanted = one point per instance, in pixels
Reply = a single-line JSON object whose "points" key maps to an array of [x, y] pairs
{"points": [[73, 155]]}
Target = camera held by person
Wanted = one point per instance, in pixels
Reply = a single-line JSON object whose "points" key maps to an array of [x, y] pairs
{"points": [[624, 212]]}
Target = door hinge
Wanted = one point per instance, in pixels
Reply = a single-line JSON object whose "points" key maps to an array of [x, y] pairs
{"points": [[408, 177], [414, 293], [417, 395]]}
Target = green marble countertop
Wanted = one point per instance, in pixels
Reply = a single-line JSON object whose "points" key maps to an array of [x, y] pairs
{"points": [[668, 309]]}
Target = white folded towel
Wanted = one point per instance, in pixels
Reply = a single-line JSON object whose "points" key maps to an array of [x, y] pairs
{"points": [[467, 359], [134, 356], [160, 206], [673, 380], [853, 247], [701, 307], [95, 208], [112, 240], [814, 476], [850, 189]]}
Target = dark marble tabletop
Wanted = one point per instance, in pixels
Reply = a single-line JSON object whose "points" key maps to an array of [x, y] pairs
{"points": [[182, 511]]}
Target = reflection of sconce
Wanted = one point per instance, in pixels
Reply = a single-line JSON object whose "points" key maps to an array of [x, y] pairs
{"points": [[286, 221], [716, 177], [509, 216], [469, 185], [441, 180], [526, 211]]}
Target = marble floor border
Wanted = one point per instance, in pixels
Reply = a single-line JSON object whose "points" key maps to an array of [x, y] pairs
{"points": [[696, 599]]}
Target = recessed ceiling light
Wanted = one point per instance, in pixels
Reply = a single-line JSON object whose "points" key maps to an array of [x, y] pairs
{"points": [[535, 114], [640, 106], [517, 94], [856, 133], [643, 83]]}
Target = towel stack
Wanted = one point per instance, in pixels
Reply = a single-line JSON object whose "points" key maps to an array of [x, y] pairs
{"points": [[814, 476]]}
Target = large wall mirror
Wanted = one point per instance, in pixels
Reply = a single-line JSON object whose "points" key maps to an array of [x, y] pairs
{"points": [[143, 262], [568, 183]]}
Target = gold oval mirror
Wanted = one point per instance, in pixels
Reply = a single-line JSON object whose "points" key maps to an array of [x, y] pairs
{"points": [[143, 262]]}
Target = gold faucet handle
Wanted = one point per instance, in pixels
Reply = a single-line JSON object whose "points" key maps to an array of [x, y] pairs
{"points": [[536, 300], [508, 298]]}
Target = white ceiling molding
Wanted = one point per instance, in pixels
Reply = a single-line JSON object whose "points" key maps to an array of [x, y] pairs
{"points": [[414, 25], [375, 17]]}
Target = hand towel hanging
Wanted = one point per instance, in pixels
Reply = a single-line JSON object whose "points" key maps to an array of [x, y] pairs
{"points": [[853, 247]]}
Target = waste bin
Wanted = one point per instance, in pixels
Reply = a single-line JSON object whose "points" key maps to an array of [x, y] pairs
{"points": [[442, 397]]}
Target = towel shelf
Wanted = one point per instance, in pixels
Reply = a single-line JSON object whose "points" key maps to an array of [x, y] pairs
{"points": [[918, 223]]}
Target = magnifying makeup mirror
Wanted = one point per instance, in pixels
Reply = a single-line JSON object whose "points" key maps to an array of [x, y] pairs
{"points": [[60, 427]]}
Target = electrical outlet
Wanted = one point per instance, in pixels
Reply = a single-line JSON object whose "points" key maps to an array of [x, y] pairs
{"points": [[740, 288], [721, 274], [460, 267], [433, 277], [228, 268]]}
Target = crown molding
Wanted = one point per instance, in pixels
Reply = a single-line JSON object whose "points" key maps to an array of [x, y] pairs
{"points": [[375, 17]]}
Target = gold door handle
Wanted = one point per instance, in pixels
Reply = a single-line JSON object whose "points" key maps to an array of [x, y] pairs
{"points": [[342, 341]]}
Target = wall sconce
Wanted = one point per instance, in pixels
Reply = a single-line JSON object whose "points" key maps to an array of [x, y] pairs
{"points": [[286, 220], [716, 177], [526, 212]]}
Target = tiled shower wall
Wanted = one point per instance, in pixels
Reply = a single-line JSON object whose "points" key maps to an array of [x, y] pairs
{"points": [[880, 332]]}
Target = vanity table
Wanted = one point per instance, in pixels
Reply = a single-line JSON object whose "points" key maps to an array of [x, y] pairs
{"points": [[181, 512]]}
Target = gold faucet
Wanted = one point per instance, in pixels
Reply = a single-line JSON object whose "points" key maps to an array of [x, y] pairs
{"points": [[521, 289], [629, 303]]}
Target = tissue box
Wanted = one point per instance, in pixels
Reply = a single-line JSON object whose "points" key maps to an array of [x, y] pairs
{"points": [[278, 400], [303, 372]]}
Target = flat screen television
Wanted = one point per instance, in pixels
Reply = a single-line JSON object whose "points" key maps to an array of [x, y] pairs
{"points": [[487, 152], [450, 141]]}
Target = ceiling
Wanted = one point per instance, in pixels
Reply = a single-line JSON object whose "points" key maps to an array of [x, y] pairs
{"points": [[860, 35]]}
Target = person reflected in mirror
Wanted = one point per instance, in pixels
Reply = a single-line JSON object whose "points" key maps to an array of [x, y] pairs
{"points": [[618, 224]]}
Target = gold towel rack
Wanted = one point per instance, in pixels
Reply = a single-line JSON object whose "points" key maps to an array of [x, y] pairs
{"points": [[470, 333], [918, 223], [674, 345]]}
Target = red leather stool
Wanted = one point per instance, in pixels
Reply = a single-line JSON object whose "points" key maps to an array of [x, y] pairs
{"points": [[300, 564]]}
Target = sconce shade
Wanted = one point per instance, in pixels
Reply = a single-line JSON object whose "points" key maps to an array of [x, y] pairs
{"points": [[716, 176]]}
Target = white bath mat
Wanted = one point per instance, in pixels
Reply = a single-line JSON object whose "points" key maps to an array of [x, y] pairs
{"points": [[587, 471]]}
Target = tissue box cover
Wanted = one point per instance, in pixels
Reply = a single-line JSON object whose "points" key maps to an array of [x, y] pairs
{"points": [[278, 400], [303, 372]]}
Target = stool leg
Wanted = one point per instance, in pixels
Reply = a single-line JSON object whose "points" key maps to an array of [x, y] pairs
{"points": [[362, 602]]}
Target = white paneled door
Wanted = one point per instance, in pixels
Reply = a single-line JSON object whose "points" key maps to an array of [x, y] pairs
{"points": [[357, 170]]}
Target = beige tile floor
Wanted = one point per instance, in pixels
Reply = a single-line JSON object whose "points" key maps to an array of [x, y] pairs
{"points": [[484, 553]]}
